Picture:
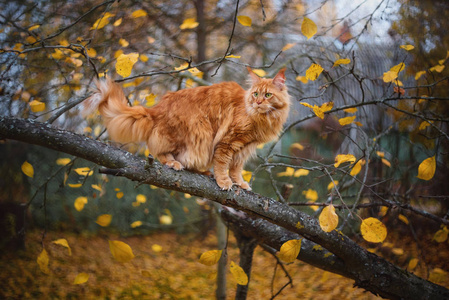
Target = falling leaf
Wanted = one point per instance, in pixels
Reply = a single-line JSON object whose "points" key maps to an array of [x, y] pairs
{"points": [[189, 23], [346, 120], [357, 168], [121, 251], [313, 72], [136, 224], [403, 219], [288, 46], [308, 28], [63, 161], [28, 169], [437, 68], [64, 243], [328, 219], [118, 22], [398, 68], [165, 220], [288, 172], [419, 74], [238, 274], [81, 278], [386, 162], [341, 61], [426, 169], [397, 251], [407, 47], [389, 76], [233, 56], [296, 146], [373, 230], [104, 220], [244, 20], [34, 27], [342, 158], [42, 261], [289, 250], [75, 185], [303, 79], [138, 13], [124, 43], [119, 195], [311, 195], [125, 63], [97, 187], [37, 106], [441, 235], [247, 175], [141, 198], [102, 21], [79, 203], [210, 257], [259, 72], [351, 110]]}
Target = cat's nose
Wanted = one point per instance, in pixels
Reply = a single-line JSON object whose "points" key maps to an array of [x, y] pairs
{"points": [[259, 102]]}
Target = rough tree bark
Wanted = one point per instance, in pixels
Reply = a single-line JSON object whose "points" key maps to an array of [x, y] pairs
{"points": [[369, 271]]}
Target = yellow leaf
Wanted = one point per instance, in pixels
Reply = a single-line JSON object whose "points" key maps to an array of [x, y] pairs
{"points": [[419, 74], [102, 22], [156, 248], [341, 61], [342, 158], [150, 101], [373, 230], [306, 104], [188, 196], [75, 185], [138, 13], [146, 273], [259, 72], [313, 72], [37, 106], [136, 224], [412, 264], [351, 110], [104, 220], [426, 169], [289, 250], [34, 27], [97, 187], [165, 220], [308, 28], [233, 56], [403, 218], [398, 68], [119, 195], [64, 243], [441, 235], [63, 161], [125, 63], [437, 68], [303, 79], [28, 169], [346, 120], [238, 274], [311, 195], [85, 171], [397, 251], [288, 46], [121, 251], [380, 154], [81, 278], [288, 172], [79, 203], [424, 125], [124, 43], [407, 47], [244, 20], [42, 261], [247, 175], [210, 257], [386, 162], [357, 168], [390, 76], [301, 172], [189, 23], [332, 184], [297, 146], [327, 106], [118, 22], [141, 198], [328, 219]]}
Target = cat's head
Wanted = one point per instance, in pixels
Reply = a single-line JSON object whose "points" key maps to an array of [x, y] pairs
{"points": [[267, 95]]}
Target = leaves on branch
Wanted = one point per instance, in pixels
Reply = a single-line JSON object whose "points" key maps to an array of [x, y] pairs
{"points": [[210, 257], [125, 63], [328, 218], [42, 261], [290, 250], [238, 274], [308, 28], [373, 230], [427, 168]]}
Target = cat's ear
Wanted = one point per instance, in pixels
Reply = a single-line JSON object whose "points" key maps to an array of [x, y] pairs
{"points": [[253, 76], [279, 79]]}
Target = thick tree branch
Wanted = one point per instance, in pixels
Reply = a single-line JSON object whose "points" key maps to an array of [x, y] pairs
{"points": [[370, 271]]}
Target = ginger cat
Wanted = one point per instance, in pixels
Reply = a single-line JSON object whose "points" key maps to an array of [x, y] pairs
{"points": [[197, 128]]}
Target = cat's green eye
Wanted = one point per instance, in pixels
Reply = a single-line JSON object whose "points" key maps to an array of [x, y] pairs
{"points": [[256, 94], [268, 95]]}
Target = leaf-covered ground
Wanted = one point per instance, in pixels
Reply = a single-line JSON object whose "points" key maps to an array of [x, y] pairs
{"points": [[165, 267]]}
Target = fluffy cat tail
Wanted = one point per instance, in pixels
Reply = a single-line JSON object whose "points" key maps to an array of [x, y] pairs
{"points": [[124, 123]]}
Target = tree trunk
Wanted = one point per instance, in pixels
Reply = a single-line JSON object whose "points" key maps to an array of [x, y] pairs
{"points": [[369, 271]]}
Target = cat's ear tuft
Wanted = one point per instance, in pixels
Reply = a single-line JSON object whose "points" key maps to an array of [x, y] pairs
{"points": [[279, 79], [253, 76]]}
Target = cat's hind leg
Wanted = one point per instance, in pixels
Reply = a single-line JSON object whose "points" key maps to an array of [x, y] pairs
{"points": [[169, 160]]}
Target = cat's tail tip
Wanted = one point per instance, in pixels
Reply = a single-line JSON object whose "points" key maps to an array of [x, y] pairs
{"points": [[100, 93]]}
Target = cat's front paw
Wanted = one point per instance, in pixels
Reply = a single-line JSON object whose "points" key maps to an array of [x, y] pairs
{"points": [[245, 185], [174, 164], [225, 184]]}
